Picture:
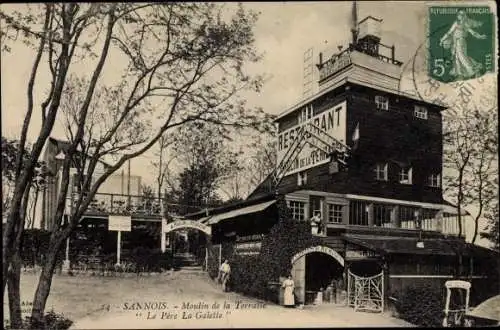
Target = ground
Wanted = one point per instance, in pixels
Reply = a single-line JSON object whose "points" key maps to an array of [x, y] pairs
{"points": [[180, 299]]}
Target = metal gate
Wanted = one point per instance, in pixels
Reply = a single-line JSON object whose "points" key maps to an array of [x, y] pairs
{"points": [[365, 293]]}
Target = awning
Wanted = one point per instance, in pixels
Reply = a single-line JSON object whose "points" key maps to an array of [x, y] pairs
{"points": [[489, 309], [210, 220], [407, 245]]}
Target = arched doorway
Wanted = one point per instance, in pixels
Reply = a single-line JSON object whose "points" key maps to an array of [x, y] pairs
{"points": [[184, 253], [314, 269]]}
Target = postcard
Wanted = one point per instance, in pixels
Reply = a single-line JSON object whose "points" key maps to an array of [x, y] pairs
{"points": [[250, 165]]}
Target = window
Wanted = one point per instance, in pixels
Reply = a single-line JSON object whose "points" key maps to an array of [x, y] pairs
{"points": [[382, 215], [358, 213], [301, 178], [382, 102], [420, 112], [306, 113], [335, 213], [381, 171], [407, 217], [434, 180], [405, 175], [298, 210]]}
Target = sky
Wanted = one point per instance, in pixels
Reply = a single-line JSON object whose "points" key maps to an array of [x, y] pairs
{"points": [[284, 31]]}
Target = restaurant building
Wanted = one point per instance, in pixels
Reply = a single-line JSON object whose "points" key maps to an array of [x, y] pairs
{"points": [[366, 159]]}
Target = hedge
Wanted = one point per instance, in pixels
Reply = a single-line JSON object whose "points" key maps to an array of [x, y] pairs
{"points": [[51, 320], [421, 305], [34, 246], [252, 275], [151, 260]]}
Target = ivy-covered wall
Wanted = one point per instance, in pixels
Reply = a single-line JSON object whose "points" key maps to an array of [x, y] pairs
{"points": [[257, 275]]}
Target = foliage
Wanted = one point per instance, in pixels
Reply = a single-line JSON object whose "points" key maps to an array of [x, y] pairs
{"points": [[170, 63], [203, 148], [148, 198], [252, 275], [471, 160], [492, 230], [51, 320], [162, 165], [421, 305], [151, 260], [10, 150], [35, 244], [246, 276], [264, 160]]}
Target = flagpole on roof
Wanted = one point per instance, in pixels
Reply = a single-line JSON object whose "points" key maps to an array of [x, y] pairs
{"points": [[354, 22]]}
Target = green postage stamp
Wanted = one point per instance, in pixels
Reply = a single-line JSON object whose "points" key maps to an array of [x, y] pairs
{"points": [[461, 42]]}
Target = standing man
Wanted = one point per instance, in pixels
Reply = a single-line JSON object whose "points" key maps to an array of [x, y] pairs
{"points": [[224, 272]]}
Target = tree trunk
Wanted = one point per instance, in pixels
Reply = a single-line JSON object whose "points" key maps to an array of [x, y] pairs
{"points": [[13, 278], [476, 230], [8, 240], [45, 282], [34, 208]]}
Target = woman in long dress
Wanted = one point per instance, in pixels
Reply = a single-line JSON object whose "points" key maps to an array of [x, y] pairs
{"points": [[289, 299], [463, 66]]}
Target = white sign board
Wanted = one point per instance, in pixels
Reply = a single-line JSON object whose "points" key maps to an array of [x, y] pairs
{"points": [[333, 121], [180, 224], [120, 223]]}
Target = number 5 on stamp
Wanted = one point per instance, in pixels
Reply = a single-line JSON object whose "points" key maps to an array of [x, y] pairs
{"points": [[461, 42]]}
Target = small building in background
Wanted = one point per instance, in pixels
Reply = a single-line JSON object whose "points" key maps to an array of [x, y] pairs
{"points": [[121, 185]]}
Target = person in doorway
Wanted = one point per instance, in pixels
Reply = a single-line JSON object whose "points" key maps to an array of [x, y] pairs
{"points": [[316, 223], [224, 272], [288, 297]]}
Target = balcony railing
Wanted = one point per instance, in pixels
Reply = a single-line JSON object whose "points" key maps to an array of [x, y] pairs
{"points": [[103, 203]]}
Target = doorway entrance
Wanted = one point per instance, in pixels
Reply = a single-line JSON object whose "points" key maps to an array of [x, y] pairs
{"points": [[321, 271], [313, 269]]}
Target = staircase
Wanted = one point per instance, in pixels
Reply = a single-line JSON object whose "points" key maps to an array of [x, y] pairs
{"points": [[187, 262]]}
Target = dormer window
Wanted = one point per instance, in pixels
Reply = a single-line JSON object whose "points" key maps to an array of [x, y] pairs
{"points": [[420, 112], [305, 113], [382, 102], [405, 175], [301, 178]]}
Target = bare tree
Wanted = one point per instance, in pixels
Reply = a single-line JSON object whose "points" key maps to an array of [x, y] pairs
{"points": [[483, 172], [183, 63], [263, 161], [492, 228], [471, 159], [207, 159], [162, 164]]}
